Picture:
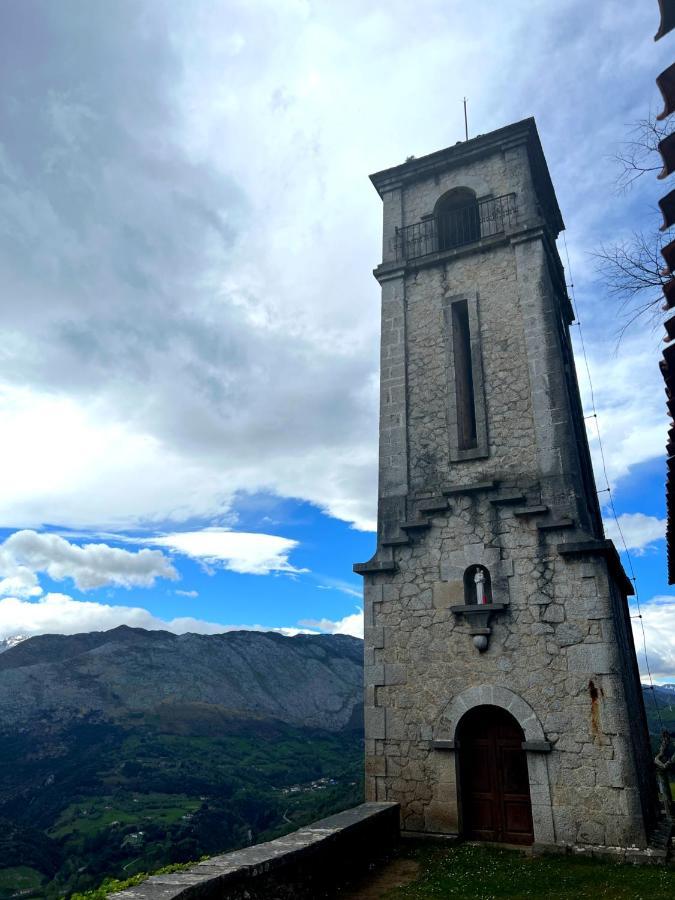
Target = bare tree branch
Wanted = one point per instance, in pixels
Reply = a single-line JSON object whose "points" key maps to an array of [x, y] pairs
{"points": [[639, 154], [632, 272]]}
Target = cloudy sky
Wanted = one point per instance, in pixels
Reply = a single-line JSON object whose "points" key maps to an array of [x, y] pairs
{"points": [[188, 366]]}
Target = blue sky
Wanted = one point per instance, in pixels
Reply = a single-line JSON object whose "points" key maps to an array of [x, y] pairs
{"points": [[188, 368]]}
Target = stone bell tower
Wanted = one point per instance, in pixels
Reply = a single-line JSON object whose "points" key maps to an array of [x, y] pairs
{"points": [[502, 693]]}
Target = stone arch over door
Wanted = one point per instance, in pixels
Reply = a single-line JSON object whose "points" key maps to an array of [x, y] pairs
{"points": [[444, 813]]}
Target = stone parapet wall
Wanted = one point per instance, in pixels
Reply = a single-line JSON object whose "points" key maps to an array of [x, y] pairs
{"points": [[303, 865]]}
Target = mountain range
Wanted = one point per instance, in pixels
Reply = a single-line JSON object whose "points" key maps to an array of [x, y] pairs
{"points": [[307, 680], [122, 751], [11, 641], [125, 750]]}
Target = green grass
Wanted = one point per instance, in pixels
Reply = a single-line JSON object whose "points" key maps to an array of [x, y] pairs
{"points": [[91, 814], [112, 885], [469, 872], [19, 878]]}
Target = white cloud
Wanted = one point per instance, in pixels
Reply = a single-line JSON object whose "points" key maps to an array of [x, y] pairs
{"points": [[21, 583], [248, 553], [89, 566], [638, 530], [61, 614], [191, 594], [630, 402], [658, 618], [352, 625], [76, 479], [186, 304], [338, 584]]}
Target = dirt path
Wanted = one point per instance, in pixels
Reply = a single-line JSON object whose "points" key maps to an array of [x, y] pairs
{"points": [[376, 885]]}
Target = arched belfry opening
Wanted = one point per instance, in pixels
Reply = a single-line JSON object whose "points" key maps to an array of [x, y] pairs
{"points": [[457, 218], [495, 787]]}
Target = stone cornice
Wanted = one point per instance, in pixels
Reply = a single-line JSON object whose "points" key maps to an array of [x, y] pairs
{"points": [[522, 133], [388, 271], [604, 548]]}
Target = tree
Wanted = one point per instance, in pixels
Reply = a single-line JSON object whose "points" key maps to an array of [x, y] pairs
{"points": [[640, 154], [633, 270]]}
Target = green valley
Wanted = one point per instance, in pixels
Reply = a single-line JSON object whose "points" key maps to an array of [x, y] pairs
{"points": [[126, 751], [116, 802]]}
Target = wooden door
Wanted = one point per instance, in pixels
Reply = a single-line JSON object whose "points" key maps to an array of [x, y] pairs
{"points": [[495, 788]]}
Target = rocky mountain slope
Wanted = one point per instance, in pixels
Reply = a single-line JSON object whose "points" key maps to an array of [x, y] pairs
{"points": [[11, 641], [125, 750], [308, 680]]}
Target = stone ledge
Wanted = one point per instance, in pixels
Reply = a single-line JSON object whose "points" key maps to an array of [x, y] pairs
{"points": [[298, 865], [531, 511], [604, 548], [508, 499], [387, 271], [477, 609], [415, 525], [564, 522], [397, 268], [470, 488], [478, 616], [436, 836], [537, 746], [647, 856], [439, 504], [371, 568]]}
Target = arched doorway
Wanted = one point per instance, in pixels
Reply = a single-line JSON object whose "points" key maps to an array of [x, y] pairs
{"points": [[494, 783]]}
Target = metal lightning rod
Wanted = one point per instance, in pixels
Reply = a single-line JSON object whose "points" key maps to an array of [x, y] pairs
{"points": [[466, 123]]}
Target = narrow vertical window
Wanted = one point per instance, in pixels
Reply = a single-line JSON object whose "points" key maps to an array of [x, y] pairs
{"points": [[466, 405], [467, 411]]}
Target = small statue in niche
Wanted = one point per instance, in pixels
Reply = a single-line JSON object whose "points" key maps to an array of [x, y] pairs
{"points": [[478, 606], [477, 586], [665, 763], [481, 589]]}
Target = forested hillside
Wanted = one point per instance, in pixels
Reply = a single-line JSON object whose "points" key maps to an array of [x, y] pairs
{"points": [[136, 749], [127, 750]]}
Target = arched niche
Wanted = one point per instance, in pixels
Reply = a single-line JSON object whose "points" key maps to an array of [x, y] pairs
{"points": [[477, 585]]}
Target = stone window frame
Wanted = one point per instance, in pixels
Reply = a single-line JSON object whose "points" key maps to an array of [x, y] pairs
{"points": [[481, 450]]}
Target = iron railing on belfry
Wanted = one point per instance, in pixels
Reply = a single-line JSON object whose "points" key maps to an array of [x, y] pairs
{"points": [[455, 228]]}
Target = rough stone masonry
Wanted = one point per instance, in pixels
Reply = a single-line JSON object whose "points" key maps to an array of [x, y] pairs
{"points": [[485, 468]]}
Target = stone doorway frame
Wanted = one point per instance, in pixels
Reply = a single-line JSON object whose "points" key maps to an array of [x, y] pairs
{"points": [[443, 814]]}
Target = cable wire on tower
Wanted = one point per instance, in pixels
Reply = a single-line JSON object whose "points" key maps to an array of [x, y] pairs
{"points": [[608, 489]]}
